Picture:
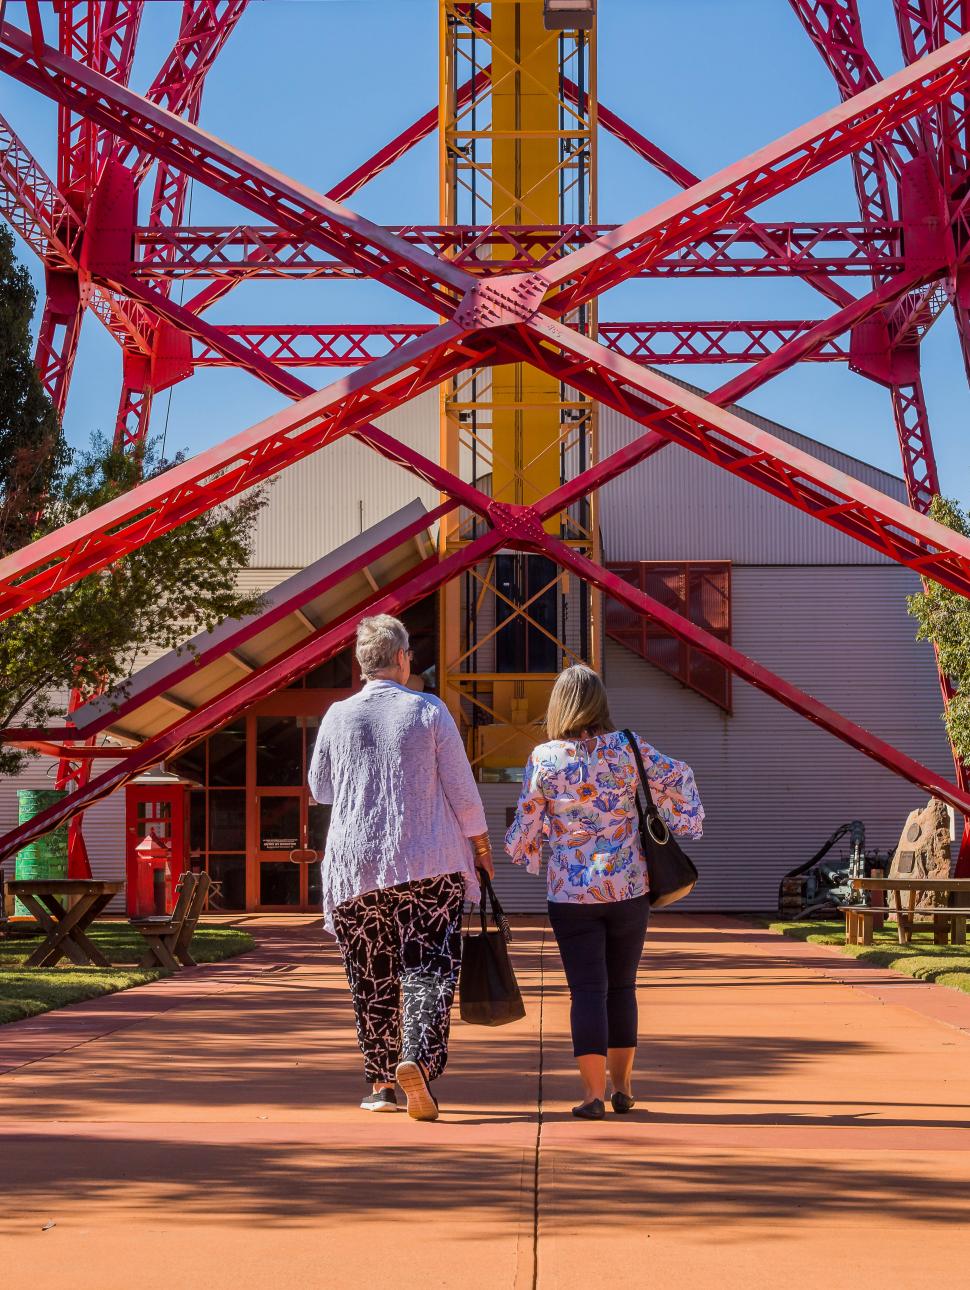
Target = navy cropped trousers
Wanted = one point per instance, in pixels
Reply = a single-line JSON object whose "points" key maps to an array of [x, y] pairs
{"points": [[601, 946]]}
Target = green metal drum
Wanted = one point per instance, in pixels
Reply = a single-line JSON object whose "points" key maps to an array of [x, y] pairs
{"points": [[47, 857]]}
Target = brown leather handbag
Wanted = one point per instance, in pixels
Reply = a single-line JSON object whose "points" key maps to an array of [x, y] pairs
{"points": [[671, 874]]}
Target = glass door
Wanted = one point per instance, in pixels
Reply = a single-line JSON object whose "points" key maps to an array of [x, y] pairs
{"points": [[279, 831], [286, 823]]}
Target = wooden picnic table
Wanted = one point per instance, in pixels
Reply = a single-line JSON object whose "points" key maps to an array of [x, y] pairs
{"points": [[949, 919], [65, 927]]}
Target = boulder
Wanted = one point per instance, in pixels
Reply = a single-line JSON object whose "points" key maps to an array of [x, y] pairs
{"points": [[924, 848]]}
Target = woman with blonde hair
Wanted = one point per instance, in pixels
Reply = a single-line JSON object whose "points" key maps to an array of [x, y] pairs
{"points": [[579, 793]]}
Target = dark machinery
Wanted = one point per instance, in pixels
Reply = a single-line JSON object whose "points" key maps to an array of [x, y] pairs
{"points": [[815, 888]]}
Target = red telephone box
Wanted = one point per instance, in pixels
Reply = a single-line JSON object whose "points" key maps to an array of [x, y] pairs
{"points": [[156, 841]]}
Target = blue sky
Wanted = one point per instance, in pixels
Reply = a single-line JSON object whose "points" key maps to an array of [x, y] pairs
{"points": [[313, 87]]}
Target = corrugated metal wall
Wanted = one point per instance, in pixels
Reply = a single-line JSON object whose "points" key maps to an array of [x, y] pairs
{"points": [[676, 506], [773, 785], [330, 497]]}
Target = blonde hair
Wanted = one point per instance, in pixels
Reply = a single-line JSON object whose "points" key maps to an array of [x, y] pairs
{"points": [[578, 703], [378, 641]]}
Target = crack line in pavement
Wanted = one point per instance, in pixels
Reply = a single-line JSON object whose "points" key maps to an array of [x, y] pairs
{"points": [[539, 1109]]}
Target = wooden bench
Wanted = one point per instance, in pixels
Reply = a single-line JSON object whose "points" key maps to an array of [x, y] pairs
{"points": [[949, 922], [169, 936]]}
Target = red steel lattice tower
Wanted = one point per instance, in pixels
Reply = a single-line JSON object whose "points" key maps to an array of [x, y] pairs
{"points": [[509, 290]]}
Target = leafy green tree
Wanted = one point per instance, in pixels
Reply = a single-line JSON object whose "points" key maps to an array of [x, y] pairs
{"points": [[944, 619], [32, 449], [92, 633]]}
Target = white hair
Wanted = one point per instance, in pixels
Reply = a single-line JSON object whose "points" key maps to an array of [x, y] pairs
{"points": [[378, 641]]}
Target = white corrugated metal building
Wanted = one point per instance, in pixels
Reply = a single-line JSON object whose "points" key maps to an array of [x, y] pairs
{"points": [[824, 612]]}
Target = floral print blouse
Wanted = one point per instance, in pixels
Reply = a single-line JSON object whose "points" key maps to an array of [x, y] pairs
{"points": [[579, 795]]}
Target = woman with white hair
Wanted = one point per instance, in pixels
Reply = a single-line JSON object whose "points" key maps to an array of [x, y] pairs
{"points": [[407, 836]]}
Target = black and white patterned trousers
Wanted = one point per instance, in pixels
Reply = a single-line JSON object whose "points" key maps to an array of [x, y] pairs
{"points": [[401, 949]]}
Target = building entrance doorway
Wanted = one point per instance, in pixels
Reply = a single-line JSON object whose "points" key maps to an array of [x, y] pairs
{"points": [[291, 833], [252, 809]]}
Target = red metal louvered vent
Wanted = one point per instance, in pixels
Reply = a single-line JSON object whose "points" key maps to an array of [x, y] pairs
{"points": [[700, 590]]}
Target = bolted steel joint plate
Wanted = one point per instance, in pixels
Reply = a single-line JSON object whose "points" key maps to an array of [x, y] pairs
{"points": [[503, 301], [519, 525]]}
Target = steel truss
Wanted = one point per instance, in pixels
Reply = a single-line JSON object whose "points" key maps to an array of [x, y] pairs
{"points": [[508, 295]]}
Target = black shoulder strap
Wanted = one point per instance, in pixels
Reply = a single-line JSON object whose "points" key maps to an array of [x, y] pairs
{"points": [[644, 782]]}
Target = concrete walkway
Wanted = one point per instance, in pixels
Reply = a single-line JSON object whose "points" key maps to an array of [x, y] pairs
{"points": [[808, 1126]]}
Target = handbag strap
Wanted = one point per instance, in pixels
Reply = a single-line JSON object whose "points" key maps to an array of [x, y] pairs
{"points": [[498, 913], [651, 815]]}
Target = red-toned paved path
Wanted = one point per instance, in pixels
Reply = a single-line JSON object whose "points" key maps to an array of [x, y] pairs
{"points": [[808, 1126]]}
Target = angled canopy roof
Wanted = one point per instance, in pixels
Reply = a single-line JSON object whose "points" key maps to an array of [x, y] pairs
{"points": [[200, 671]]}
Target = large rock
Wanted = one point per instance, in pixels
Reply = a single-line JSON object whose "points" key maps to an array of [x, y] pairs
{"points": [[924, 850]]}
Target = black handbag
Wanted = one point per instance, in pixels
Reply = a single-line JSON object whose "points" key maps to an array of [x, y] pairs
{"points": [[488, 992], [671, 874]]}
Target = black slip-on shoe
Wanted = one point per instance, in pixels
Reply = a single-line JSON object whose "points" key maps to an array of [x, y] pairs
{"points": [[622, 1103], [422, 1103], [385, 1099], [594, 1110]]}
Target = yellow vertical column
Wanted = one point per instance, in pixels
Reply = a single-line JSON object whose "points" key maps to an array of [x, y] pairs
{"points": [[526, 418], [516, 153]]}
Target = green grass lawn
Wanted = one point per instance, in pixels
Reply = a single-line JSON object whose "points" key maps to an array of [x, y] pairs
{"points": [[942, 964], [25, 992]]}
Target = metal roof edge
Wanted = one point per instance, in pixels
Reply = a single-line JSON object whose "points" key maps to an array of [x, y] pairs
{"points": [[206, 645]]}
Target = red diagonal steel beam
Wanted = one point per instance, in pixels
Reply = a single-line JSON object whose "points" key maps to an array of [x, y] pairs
{"points": [[206, 26], [100, 34], [117, 37], [749, 453], [35, 22], [799, 348], [686, 218], [161, 504], [835, 29], [662, 161], [350, 238], [77, 33], [925, 25], [245, 629], [760, 677], [299, 660], [31, 203], [341, 192]]}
